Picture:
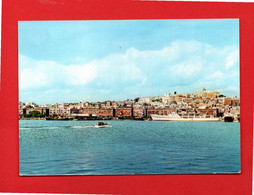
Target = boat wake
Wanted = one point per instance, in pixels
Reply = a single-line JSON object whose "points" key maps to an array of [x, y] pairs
{"points": [[39, 127], [84, 127], [81, 127]]}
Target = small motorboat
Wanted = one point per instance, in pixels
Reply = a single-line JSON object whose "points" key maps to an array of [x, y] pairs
{"points": [[101, 125]]}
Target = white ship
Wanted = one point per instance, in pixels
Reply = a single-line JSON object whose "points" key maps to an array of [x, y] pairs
{"points": [[176, 117]]}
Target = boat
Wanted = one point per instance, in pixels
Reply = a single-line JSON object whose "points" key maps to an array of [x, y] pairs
{"points": [[228, 118], [101, 125], [177, 117]]}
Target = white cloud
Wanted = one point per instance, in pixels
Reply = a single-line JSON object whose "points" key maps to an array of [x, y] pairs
{"points": [[49, 74], [29, 78], [232, 59], [79, 74], [182, 64], [215, 75], [188, 68]]}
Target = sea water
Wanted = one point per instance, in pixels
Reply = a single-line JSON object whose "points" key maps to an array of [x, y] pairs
{"points": [[128, 147]]}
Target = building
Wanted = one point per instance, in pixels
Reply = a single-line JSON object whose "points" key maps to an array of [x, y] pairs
{"points": [[106, 112], [124, 112]]}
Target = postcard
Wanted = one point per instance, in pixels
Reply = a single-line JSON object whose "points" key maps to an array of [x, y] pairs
{"points": [[129, 97]]}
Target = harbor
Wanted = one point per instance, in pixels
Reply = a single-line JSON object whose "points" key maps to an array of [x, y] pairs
{"points": [[175, 133], [196, 106], [128, 147]]}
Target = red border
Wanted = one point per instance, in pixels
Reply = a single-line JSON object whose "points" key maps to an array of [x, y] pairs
{"points": [[16, 10]]}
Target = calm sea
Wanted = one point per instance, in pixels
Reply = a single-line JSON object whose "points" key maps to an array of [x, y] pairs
{"points": [[128, 147]]}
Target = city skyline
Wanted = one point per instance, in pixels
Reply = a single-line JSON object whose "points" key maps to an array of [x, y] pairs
{"points": [[71, 61], [158, 98]]}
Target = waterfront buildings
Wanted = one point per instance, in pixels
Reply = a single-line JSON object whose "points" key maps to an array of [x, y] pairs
{"points": [[203, 103]]}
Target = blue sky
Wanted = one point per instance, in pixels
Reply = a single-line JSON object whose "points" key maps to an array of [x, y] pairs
{"points": [[73, 61]]}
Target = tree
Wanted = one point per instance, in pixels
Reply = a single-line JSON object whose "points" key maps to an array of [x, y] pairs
{"points": [[136, 99], [35, 113]]}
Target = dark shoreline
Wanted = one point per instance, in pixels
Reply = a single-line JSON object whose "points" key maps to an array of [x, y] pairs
{"points": [[97, 119], [87, 119]]}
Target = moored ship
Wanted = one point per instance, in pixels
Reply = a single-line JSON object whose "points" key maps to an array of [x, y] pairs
{"points": [[177, 117]]}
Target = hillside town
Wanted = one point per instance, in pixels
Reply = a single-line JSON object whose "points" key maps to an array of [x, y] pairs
{"points": [[200, 103]]}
